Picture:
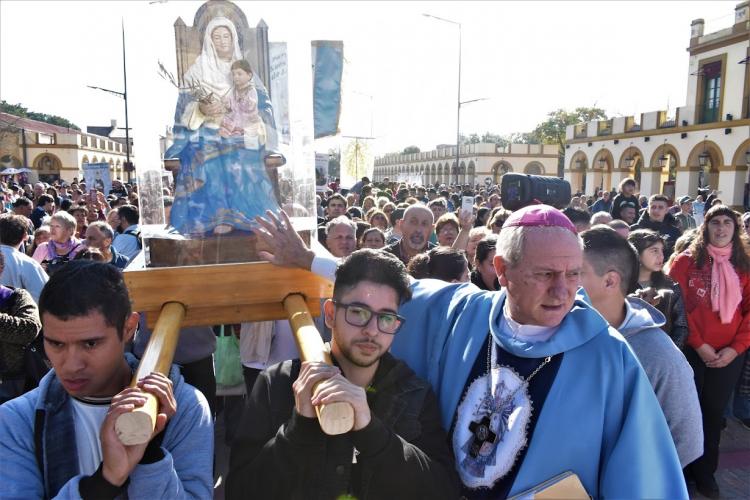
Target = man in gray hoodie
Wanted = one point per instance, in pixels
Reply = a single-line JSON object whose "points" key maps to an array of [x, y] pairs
{"points": [[610, 271]]}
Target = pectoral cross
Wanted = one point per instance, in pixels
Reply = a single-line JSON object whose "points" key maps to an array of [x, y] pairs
{"points": [[482, 434]]}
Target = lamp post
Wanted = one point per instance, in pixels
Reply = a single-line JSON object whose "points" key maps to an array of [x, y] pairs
{"points": [[124, 94], [629, 160], [458, 99]]}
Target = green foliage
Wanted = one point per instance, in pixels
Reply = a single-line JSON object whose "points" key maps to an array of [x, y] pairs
{"points": [[23, 112], [334, 163], [410, 150], [552, 130]]}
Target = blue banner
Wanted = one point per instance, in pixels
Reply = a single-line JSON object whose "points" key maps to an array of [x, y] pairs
{"points": [[328, 66]]}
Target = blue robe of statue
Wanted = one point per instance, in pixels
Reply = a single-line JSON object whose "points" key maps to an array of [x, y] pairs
{"points": [[221, 180], [600, 419]]}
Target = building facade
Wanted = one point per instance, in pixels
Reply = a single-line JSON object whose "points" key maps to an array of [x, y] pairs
{"points": [[52, 152], [705, 144], [477, 163]]}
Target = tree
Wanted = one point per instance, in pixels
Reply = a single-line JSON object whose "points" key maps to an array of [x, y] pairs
{"points": [[552, 130], [410, 150], [334, 164], [21, 111]]}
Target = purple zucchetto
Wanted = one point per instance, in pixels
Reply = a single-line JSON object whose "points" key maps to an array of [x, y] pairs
{"points": [[539, 216]]}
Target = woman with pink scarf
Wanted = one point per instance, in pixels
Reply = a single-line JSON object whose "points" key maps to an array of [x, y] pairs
{"points": [[714, 275]]}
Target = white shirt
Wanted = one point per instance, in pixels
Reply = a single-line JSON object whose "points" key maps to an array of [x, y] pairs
{"points": [[526, 333], [88, 419]]}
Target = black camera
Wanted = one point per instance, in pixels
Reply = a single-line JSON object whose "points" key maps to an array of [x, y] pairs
{"points": [[520, 190]]}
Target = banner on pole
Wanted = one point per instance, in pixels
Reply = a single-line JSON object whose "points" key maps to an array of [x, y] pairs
{"points": [[328, 66], [357, 161]]}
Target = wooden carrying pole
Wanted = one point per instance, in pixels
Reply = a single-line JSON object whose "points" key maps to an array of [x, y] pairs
{"points": [[137, 426], [334, 418]]}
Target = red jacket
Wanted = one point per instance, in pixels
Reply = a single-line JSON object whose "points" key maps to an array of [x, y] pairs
{"points": [[705, 324]]}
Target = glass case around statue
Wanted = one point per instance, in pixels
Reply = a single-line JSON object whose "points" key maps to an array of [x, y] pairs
{"points": [[241, 143]]}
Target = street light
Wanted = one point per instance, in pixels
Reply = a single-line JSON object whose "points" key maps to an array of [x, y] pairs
{"points": [[458, 99], [629, 160], [664, 158], [124, 94], [704, 157]]}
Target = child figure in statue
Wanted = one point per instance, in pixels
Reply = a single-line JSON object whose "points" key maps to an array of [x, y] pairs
{"points": [[223, 127], [242, 118]]}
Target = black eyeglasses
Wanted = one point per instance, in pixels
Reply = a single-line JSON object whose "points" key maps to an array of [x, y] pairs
{"points": [[359, 315]]}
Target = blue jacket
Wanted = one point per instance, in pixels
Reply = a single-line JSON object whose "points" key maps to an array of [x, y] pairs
{"points": [[601, 418], [185, 471], [118, 260]]}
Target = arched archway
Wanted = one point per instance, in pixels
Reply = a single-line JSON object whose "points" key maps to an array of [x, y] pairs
{"points": [[84, 160], [631, 164], [708, 175], [499, 169], [9, 161], [602, 167], [666, 159], [471, 173], [740, 157], [534, 168], [578, 166], [48, 167]]}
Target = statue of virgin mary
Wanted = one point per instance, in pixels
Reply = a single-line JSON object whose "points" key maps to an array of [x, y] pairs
{"points": [[222, 183]]}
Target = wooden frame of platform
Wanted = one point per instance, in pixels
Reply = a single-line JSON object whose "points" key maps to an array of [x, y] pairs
{"points": [[174, 297]]}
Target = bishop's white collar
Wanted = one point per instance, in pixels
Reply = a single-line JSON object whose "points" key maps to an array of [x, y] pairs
{"points": [[525, 333]]}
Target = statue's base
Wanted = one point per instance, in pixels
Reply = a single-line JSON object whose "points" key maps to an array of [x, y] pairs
{"points": [[232, 248]]}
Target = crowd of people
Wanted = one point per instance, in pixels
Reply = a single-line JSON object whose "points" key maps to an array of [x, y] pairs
{"points": [[510, 350]]}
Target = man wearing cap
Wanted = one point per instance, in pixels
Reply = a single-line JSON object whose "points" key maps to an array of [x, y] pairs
{"points": [[685, 217], [532, 382]]}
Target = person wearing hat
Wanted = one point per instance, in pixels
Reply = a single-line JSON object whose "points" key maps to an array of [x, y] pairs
{"points": [[685, 217], [531, 381]]}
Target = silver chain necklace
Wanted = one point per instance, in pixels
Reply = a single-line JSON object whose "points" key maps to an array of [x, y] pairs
{"points": [[526, 380]]}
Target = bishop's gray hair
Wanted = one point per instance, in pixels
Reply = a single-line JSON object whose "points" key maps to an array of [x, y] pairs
{"points": [[511, 240]]}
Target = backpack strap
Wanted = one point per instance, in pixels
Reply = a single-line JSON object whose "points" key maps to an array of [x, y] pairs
{"points": [[137, 234]]}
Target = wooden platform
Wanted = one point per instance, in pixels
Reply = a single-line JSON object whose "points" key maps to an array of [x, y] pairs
{"points": [[224, 293]]}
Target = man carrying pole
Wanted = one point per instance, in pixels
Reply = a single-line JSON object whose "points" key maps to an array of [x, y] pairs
{"points": [[61, 439], [397, 447]]}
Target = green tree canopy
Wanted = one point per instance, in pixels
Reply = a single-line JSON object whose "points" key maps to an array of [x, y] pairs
{"points": [[23, 112], [410, 150], [552, 130]]}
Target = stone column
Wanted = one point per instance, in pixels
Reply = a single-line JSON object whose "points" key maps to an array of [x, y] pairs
{"points": [[686, 182], [590, 176], [732, 185], [650, 181]]}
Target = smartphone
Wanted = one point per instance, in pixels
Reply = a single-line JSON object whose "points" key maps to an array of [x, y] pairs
{"points": [[467, 204]]}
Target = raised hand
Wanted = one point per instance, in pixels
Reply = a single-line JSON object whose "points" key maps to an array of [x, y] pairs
{"points": [[287, 248]]}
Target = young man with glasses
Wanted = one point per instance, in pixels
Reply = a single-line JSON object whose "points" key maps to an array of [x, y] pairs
{"points": [[397, 448]]}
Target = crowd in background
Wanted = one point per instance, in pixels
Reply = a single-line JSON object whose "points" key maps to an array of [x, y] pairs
{"points": [[692, 252]]}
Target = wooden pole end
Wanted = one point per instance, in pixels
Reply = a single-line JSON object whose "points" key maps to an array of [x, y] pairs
{"points": [[137, 426], [336, 418]]}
